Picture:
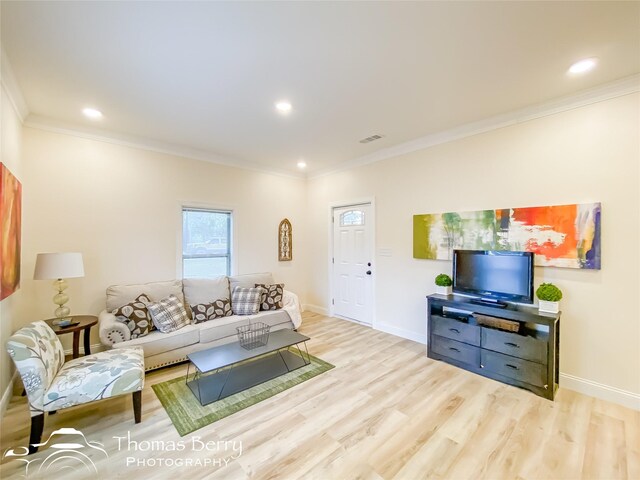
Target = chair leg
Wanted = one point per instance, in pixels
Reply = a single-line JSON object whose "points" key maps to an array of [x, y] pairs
{"points": [[137, 406], [37, 426]]}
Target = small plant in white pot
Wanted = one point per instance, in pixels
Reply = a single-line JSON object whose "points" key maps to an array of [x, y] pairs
{"points": [[443, 284], [549, 297]]}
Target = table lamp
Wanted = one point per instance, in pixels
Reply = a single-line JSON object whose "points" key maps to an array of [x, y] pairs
{"points": [[59, 266]]}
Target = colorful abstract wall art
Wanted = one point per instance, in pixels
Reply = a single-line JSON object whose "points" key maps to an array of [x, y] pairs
{"points": [[10, 217], [559, 235]]}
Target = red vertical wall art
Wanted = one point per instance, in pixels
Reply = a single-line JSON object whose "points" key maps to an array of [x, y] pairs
{"points": [[10, 230]]}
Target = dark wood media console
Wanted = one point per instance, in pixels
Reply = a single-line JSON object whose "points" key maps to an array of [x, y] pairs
{"points": [[527, 358]]}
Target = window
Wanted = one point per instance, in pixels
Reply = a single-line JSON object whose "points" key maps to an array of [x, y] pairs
{"points": [[352, 217], [206, 243]]}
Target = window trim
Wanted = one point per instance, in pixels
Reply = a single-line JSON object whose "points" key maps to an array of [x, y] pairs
{"points": [[232, 244]]}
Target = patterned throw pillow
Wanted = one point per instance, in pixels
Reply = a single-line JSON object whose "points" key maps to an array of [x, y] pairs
{"points": [[246, 301], [168, 314], [135, 316], [271, 296], [208, 311]]}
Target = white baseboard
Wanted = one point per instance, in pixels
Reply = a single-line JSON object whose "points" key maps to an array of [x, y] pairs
{"points": [[315, 309], [401, 332], [6, 396], [598, 390], [571, 382]]}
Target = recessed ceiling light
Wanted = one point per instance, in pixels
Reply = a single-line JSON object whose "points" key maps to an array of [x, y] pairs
{"points": [[92, 113], [283, 106], [583, 66], [302, 164]]}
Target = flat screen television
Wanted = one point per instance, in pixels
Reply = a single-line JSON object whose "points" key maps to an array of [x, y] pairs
{"points": [[494, 276]]}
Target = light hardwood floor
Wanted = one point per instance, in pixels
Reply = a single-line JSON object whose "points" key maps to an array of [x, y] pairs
{"points": [[386, 411]]}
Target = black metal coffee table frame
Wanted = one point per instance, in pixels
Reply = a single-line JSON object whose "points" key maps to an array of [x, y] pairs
{"points": [[228, 369]]}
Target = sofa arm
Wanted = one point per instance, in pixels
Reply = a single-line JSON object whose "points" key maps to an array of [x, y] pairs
{"points": [[291, 305], [111, 330]]}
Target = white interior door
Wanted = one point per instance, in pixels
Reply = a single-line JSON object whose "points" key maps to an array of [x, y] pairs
{"points": [[353, 262]]}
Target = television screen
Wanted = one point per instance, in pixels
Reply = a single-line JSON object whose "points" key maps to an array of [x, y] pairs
{"points": [[494, 274]]}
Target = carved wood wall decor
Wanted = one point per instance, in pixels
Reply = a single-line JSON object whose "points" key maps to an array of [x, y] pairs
{"points": [[285, 241]]}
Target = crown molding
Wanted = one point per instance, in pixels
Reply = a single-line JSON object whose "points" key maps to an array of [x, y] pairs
{"points": [[132, 141], [601, 93], [618, 88], [11, 87], [15, 96]]}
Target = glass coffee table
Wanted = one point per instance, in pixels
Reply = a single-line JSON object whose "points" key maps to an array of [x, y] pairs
{"points": [[228, 369]]}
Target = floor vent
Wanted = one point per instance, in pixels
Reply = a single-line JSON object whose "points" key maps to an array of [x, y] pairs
{"points": [[372, 138]]}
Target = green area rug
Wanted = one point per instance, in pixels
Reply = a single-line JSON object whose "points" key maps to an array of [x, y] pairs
{"points": [[188, 415]]}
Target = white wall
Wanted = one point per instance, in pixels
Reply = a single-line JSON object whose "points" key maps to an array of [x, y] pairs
{"points": [[120, 207], [584, 155], [11, 156]]}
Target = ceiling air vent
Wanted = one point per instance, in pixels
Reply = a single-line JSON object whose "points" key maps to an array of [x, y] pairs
{"points": [[372, 138]]}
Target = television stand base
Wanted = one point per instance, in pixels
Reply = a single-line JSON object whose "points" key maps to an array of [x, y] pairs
{"points": [[489, 303], [527, 358]]}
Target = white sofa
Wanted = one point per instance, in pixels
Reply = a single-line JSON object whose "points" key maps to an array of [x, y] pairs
{"points": [[161, 349]]}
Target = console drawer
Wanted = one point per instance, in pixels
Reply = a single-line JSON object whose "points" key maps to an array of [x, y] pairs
{"points": [[516, 368], [456, 350], [455, 330], [516, 345]]}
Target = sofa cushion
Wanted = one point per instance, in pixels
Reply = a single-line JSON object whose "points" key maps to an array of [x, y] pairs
{"points": [[205, 290], [272, 317], [246, 301], [226, 327], [168, 314], [210, 311], [118, 295], [157, 342], [271, 296], [135, 316], [221, 328], [249, 281]]}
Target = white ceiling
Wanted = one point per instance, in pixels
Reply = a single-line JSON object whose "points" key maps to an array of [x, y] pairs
{"points": [[205, 76]]}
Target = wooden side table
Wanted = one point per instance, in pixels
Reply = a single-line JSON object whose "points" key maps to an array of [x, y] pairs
{"points": [[86, 322]]}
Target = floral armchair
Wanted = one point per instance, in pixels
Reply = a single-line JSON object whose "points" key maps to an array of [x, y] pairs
{"points": [[51, 384]]}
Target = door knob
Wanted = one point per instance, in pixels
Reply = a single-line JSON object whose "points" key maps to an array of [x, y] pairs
{"points": [[368, 272]]}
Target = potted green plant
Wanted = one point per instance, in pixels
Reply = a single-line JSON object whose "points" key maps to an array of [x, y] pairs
{"points": [[549, 297], [443, 284]]}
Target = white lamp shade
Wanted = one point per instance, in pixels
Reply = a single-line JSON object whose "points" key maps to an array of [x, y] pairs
{"points": [[58, 265]]}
